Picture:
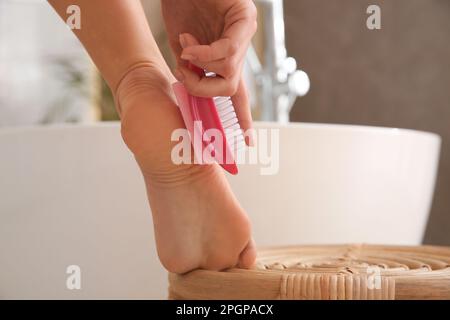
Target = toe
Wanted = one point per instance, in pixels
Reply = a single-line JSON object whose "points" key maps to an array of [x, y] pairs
{"points": [[248, 255]]}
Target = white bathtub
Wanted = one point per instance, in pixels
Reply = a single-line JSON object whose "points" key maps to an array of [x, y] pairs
{"points": [[73, 195]]}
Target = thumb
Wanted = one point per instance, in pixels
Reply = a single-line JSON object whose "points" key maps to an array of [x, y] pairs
{"points": [[187, 40]]}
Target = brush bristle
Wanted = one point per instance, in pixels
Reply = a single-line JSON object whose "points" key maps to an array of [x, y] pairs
{"points": [[230, 123]]}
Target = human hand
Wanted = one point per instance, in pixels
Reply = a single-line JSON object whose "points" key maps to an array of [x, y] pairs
{"points": [[213, 35]]}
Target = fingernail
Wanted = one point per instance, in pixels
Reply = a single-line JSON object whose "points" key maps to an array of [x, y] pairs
{"points": [[183, 41], [250, 138], [186, 56], [179, 75]]}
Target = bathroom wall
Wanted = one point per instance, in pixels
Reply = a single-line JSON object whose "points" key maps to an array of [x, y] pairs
{"points": [[45, 74], [398, 76]]}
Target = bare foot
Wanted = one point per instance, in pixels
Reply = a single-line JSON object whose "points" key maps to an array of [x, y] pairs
{"points": [[197, 220]]}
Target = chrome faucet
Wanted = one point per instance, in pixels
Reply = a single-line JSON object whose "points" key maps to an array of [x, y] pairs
{"points": [[278, 82]]}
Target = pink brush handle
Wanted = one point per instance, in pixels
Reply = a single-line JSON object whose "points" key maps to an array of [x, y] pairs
{"points": [[204, 111]]}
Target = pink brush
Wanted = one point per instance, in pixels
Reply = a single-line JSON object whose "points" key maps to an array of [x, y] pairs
{"points": [[201, 114]]}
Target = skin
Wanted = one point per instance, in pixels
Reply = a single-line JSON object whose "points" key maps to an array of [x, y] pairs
{"points": [[197, 220], [213, 35]]}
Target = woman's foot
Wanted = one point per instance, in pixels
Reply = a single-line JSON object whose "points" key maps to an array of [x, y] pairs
{"points": [[197, 220]]}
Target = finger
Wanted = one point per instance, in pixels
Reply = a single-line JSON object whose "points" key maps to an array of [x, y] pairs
{"points": [[248, 255], [242, 108], [217, 50], [206, 86], [226, 68], [187, 39]]}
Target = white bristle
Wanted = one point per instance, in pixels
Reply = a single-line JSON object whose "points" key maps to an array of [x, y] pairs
{"points": [[230, 123], [228, 116], [232, 133]]}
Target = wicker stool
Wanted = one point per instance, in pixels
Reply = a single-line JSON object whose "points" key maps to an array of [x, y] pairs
{"points": [[327, 273]]}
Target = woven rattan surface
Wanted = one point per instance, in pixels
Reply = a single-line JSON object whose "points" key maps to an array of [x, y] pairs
{"points": [[344, 272]]}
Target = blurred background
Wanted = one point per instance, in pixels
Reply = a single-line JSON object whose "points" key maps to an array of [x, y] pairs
{"points": [[398, 76]]}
